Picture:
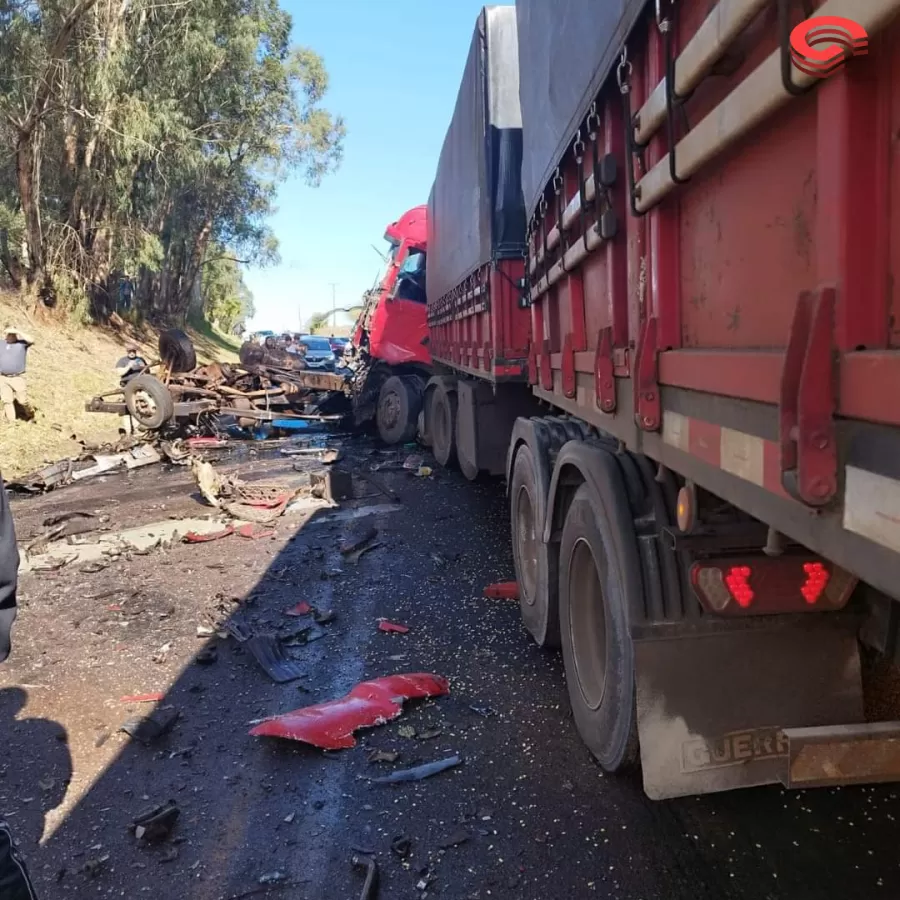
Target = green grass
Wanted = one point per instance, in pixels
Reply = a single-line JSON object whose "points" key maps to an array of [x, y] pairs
{"points": [[212, 343]]}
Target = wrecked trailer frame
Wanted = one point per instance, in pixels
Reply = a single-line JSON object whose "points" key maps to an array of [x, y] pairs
{"points": [[156, 397]]}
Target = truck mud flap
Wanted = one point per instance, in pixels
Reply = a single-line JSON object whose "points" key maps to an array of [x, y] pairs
{"points": [[721, 707]]}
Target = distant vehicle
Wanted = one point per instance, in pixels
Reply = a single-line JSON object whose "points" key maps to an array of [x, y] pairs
{"points": [[338, 345], [262, 336], [319, 354]]}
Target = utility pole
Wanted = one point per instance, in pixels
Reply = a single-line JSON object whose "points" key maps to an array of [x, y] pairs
{"points": [[334, 285]]}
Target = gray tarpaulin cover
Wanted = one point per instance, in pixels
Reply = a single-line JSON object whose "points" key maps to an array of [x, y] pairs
{"points": [[476, 210], [566, 48]]}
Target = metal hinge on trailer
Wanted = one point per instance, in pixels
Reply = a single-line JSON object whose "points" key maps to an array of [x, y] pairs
{"points": [[569, 381], [545, 365], [604, 372], [648, 409], [809, 461]]}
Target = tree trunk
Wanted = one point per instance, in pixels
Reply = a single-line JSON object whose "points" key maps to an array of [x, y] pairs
{"points": [[201, 242], [10, 262], [28, 175]]}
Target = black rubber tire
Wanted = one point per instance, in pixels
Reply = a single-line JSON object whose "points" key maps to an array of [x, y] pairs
{"points": [[397, 415], [177, 351], [149, 402], [596, 572], [443, 425], [537, 569], [425, 419]]}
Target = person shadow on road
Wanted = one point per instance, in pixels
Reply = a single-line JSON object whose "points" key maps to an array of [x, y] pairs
{"points": [[35, 769]]}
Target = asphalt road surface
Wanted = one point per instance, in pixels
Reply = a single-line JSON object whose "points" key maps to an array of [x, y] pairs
{"points": [[526, 815]]}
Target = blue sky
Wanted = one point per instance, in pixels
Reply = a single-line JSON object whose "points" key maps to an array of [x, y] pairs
{"points": [[394, 67]]}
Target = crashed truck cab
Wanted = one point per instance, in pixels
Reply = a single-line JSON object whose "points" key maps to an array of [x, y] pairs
{"points": [[389, 353]]}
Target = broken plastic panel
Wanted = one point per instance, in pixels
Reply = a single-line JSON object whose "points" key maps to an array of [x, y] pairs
{"points": [[503, 590], [331, 725]]}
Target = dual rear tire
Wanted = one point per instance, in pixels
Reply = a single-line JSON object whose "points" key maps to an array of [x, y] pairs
{"points": [[580, 597]]}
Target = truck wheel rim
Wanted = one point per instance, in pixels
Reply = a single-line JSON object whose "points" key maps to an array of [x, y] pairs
{"points": [[526, 541], [144, 404], [390, 410], [587, 624]]}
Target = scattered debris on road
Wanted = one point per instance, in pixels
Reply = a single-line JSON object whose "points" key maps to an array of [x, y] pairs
{"points": [[383, 756], [156, 825], [147, 729], [192, 537], [502, 590], [268, 651], [331, 725], [370, 887], [418, 773], [154, 697], [301, 609]]}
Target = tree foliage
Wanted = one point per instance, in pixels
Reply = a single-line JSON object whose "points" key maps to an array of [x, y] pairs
{"points": [[136, 135]]}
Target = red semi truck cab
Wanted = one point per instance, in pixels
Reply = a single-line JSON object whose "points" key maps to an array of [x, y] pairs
{"points": [[390, 355], [392, 326]]}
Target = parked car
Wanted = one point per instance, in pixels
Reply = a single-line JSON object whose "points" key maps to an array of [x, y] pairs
{"points": [[319, 354], [338, 345]]}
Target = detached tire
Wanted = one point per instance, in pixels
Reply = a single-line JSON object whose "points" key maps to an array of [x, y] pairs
{"points": [[442, 426], [598, 567], [537, 570], [399, 404], [177, 351], [149, 402]]}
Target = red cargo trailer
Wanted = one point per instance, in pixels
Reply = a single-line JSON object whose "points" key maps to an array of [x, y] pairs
{"points": [[706, 512]]}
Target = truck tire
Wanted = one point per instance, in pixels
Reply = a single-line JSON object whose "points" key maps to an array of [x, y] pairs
{"points": [[597, 648], [149, 402], [397, 415], [442, 428], [425, 417], [537, 569], [177, 351]]}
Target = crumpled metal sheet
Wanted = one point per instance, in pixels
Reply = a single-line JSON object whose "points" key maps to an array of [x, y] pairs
{"points": [[331, 725]]}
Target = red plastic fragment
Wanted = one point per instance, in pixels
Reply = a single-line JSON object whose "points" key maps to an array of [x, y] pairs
{"points": [[301, 609], [384, 625], [274, 503], [192, 537], [331, 725], [143, 698], [249, 531], [503, 590]]}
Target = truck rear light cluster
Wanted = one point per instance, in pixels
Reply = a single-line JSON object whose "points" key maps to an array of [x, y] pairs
{"points": [[767, 586]]}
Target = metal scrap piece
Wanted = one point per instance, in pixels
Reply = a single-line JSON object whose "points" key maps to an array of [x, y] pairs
{"points": [[370, 888]]}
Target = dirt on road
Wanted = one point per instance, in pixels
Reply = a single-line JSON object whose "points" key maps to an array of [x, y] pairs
{"points": [[527, 814]]}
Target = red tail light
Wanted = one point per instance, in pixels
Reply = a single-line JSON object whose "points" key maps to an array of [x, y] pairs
{"points": [[817, 577], [762, 585], [738, 581]]}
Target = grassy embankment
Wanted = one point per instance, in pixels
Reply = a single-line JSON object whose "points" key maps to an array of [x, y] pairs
{"points": [[66, 366]]}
